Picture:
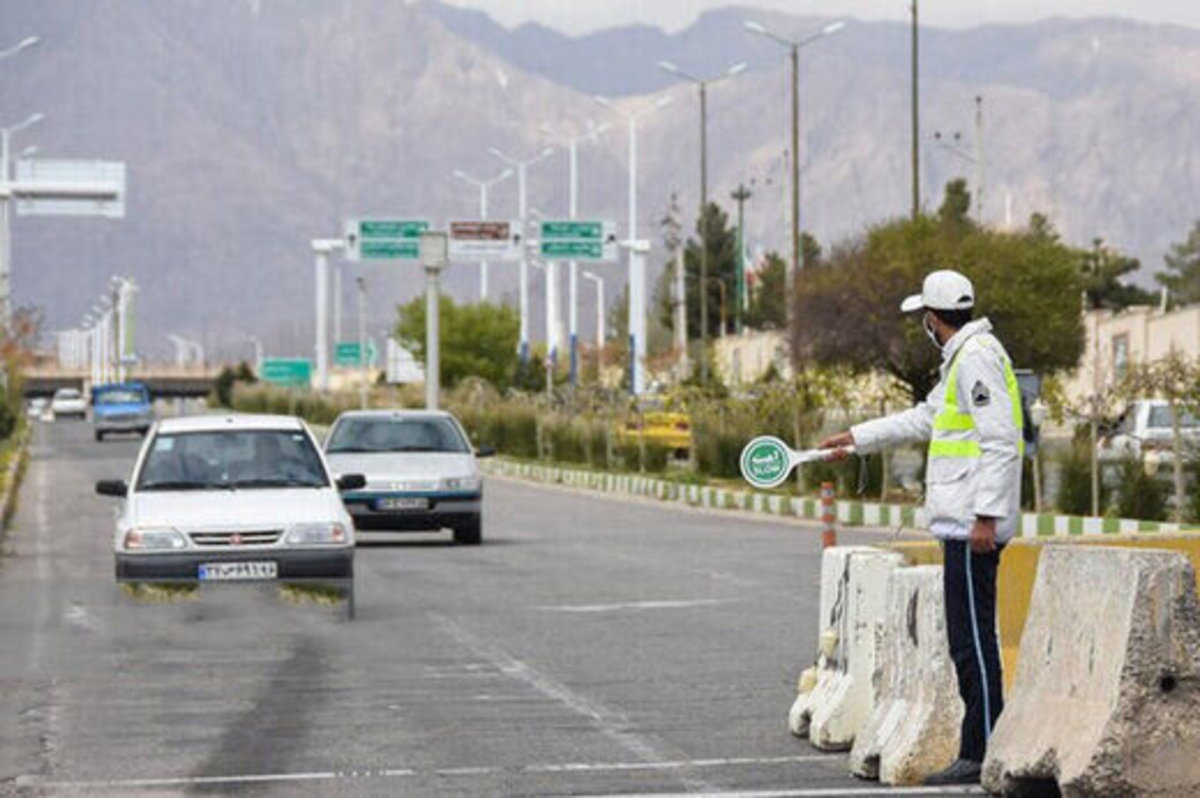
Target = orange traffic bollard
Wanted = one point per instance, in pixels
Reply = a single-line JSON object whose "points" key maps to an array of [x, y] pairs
{"points": [[828, 516]]}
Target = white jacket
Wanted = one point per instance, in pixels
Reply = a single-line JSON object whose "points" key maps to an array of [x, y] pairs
{"points": [[959, 490]]}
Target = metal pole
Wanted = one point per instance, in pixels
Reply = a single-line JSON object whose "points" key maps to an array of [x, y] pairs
{"points": [[573, 272], [916, 117], [522, 212], [680, 305], [979, 158], [552, 310], [739, 296], [703, 238], [322, 337], [5, 233], [637, 277], [433, 373], [790, 285], [362, 342], [337, 302], [483, 264]]}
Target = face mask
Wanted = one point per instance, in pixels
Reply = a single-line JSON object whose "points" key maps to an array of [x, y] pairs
{"points": [[930, 331]]}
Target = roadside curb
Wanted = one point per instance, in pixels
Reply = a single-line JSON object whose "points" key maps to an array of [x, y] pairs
{"points": [[850, 513], [13, 474]]}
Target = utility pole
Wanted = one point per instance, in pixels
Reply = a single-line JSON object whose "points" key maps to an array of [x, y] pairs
{"points": [[739, 295], [362, 341], [916, 116], [979, 157]]}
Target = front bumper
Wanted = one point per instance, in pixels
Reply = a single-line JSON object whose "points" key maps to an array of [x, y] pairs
{"points": [[124, 425], [445, 510], [333, 565]]}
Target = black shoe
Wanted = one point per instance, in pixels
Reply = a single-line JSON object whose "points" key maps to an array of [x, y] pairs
{"points": [[963, 771]]}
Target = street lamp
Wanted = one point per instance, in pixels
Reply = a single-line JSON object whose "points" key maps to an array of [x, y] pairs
{"points": [[703, 84], [794, 46], [572, 146], [483, 186], [522, 167], [599, 281], [24, 44], [637, 276]]}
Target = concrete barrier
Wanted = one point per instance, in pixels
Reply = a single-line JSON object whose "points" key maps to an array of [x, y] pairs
{"points": [[853, 596], [1107, 693], [913, 729]]}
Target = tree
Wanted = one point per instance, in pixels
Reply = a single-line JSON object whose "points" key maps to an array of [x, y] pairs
{"points": [[769, 295], [1103, 268], [849, 312], [476, 340], [721, 242], [954, 213], [1182, 277]]}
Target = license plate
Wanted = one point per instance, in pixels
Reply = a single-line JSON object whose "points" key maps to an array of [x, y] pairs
{"points": [[236, 571], [403, 504]]}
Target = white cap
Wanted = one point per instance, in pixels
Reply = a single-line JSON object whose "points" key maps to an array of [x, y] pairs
{"points": [[943, 290]]}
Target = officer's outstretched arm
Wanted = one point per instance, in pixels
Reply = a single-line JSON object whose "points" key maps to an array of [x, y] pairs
{"points": [[908, 426], [983, 393]]}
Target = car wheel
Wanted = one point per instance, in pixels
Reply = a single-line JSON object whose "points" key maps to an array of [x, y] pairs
{"points": [[469, 533]]}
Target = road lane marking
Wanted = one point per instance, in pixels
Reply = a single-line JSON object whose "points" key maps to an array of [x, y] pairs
{"points": [[37, 782], [612, 724], [636, 605], [822, 792]]}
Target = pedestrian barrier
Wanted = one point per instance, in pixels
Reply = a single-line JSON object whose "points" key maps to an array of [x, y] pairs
{"points": [[853, 596], [1107, 692], [913, 728]]}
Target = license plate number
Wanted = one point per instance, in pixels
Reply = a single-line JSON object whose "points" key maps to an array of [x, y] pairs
{"points": [[236, 571], [404, 504]]}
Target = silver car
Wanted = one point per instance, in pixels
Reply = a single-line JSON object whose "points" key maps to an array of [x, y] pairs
{"points": [[420, 469]]}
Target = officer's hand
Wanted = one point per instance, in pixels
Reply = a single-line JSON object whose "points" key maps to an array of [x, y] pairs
{"points": [[839, 442], [983, 535]]}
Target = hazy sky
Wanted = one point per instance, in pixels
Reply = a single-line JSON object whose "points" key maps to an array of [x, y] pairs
{"points": [[575, 16]]}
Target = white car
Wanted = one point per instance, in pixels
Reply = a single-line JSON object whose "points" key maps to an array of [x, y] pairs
{"points": [[420, 470], [68, 402], [233, 498], [1145, 430], [37, 407]]}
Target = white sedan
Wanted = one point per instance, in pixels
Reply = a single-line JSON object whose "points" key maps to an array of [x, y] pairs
{"points": [[68, 402], [233, 498]]}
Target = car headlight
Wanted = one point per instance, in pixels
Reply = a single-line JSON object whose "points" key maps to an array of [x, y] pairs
{"points": [[153, 540], [316, 535], [461, 483]]}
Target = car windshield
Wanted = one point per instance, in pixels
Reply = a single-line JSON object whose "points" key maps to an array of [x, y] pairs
{"points": [[369, 435], [121, 396], [68, 394], [232, 459], [1160, 418]]}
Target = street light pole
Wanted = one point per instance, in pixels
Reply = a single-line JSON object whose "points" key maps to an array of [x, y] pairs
{"points": [[793, 277], [739, 295], [703, 84], [6, 209], [637, 278], [484, 186], [362, 342], [916, 116], [522, 211]]}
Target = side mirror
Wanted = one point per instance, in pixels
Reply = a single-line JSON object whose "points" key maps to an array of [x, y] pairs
{"points": [[485, 451], [112, 487], [351, 482]]}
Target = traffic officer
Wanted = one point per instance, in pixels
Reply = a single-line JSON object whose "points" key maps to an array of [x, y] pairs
{"points": [[973, 422]]}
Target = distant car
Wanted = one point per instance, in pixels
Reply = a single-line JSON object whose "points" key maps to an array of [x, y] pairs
{"points": [[1145, 430], [68, 402], [121, 408], [232, 499], [420, 470], [37, 407]]}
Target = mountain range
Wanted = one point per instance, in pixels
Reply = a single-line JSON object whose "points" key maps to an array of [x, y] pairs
{"points": [[250, 127]]}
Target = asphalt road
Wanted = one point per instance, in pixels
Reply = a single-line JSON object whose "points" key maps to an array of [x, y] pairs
{"points": [[589, 646]]}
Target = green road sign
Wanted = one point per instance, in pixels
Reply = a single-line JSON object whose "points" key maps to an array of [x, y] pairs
{"points": [[578, 241], [572, 250], [766, 462], [290, 372], [588, 231], [348, 353], [384, 239]]}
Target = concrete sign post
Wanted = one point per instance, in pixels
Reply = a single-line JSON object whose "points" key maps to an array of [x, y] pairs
{"points": [[435, 255]]}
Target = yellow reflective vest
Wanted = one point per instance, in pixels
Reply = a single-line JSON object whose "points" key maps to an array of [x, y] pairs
{"points": [[972, 420]]}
